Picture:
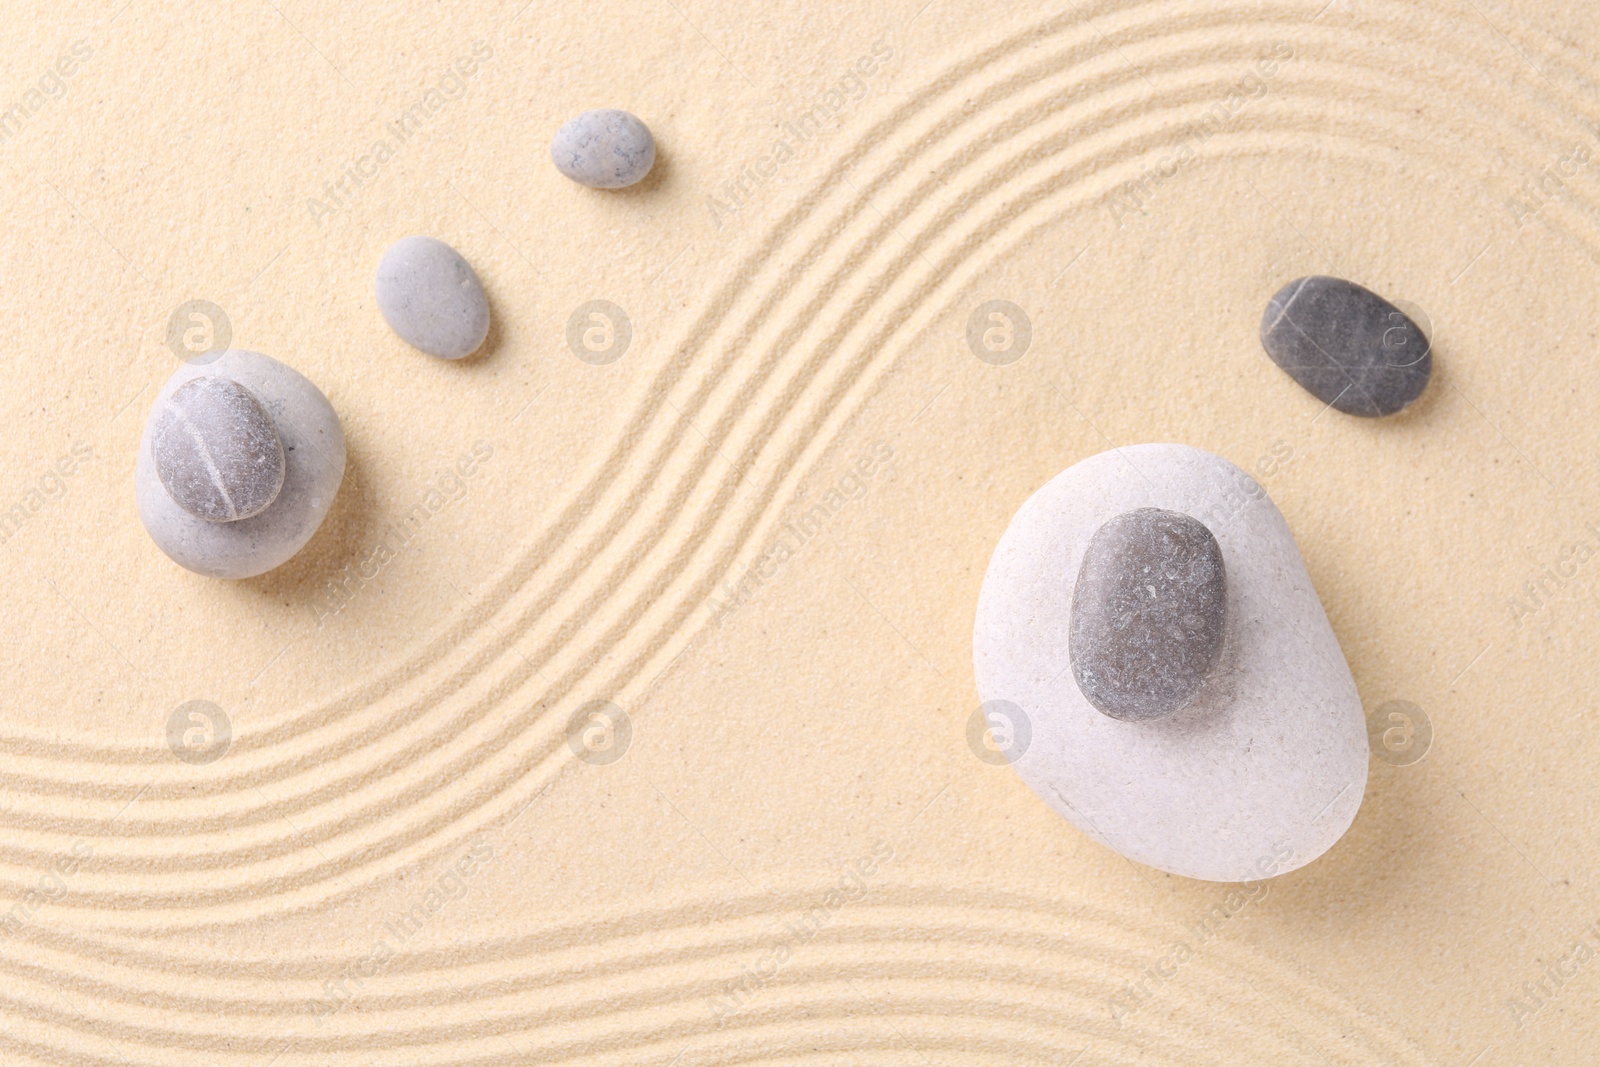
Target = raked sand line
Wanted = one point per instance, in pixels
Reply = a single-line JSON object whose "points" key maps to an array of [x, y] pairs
{"points": [[945, 1019], [921, 950]]}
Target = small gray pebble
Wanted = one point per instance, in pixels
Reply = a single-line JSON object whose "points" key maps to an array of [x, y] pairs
{"points": [[313, 466], [431, 297], [1348, 346], [1147, 613], [604, 149], [217, 452]]}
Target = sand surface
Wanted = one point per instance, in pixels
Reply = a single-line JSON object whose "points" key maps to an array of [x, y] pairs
{"points": [[758, 530]]}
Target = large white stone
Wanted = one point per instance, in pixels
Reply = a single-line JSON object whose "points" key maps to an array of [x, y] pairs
{"points": [[314, 456], [1265, 768]]}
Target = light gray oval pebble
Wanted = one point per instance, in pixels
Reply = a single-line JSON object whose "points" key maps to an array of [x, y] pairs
{"points": [[313, 454], [431, 297], [604, 149], [216, 450]]}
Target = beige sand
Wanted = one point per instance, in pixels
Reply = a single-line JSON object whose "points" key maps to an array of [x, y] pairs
{"points": [[797, 859]]}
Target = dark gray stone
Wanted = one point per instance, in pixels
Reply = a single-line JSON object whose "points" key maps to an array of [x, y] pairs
{"points": [[1147, 613], [1348, 346], [217, 451]]}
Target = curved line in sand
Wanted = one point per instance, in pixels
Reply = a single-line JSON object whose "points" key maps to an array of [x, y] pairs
{"points": [[1013, 944]]}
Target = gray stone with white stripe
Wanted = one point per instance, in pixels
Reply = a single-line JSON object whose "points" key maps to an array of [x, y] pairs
{"points": [[217, 451], [211, 492]]}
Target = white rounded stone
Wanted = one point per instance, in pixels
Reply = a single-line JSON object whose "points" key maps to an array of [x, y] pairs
{"points": [[1258, 774], [314, 456], [429, 294], [605, 149]]}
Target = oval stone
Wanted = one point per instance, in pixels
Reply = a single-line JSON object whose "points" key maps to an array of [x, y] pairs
{"points": [[604, 149], [1148, 613], [217, 451], [430, 295], [1347, 345]]}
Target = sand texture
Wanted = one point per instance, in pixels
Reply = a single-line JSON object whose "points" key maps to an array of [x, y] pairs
{"points": [[621, 710]]}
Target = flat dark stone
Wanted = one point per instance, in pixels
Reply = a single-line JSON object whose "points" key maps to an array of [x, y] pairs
{"points": [[217, 451], [1347, 345], [1147, 613]]}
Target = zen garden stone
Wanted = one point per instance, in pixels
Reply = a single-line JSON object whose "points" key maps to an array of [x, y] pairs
{"points": [[604, 149], [1259, 761], [216, 451], [239, 463], [1147, 613], [431, 297], [1348, 346]]}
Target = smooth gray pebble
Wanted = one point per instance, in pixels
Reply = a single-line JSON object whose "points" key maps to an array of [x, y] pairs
{"points": [[604, 149], [430, 295], [1349, 347], [1148, 612], [217, 451]]}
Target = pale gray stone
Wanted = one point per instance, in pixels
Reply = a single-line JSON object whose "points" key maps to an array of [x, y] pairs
{"points": [[1147, 613], [432, 298], [216, 450], [605, 149], [1263, 769], [313, 466]]}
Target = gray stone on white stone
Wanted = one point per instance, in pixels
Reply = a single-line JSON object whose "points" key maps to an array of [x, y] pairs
{"points": [[430, 295], [313, 467], [1148, 612], [216, 450], [1265, 767], [605, 148]]}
